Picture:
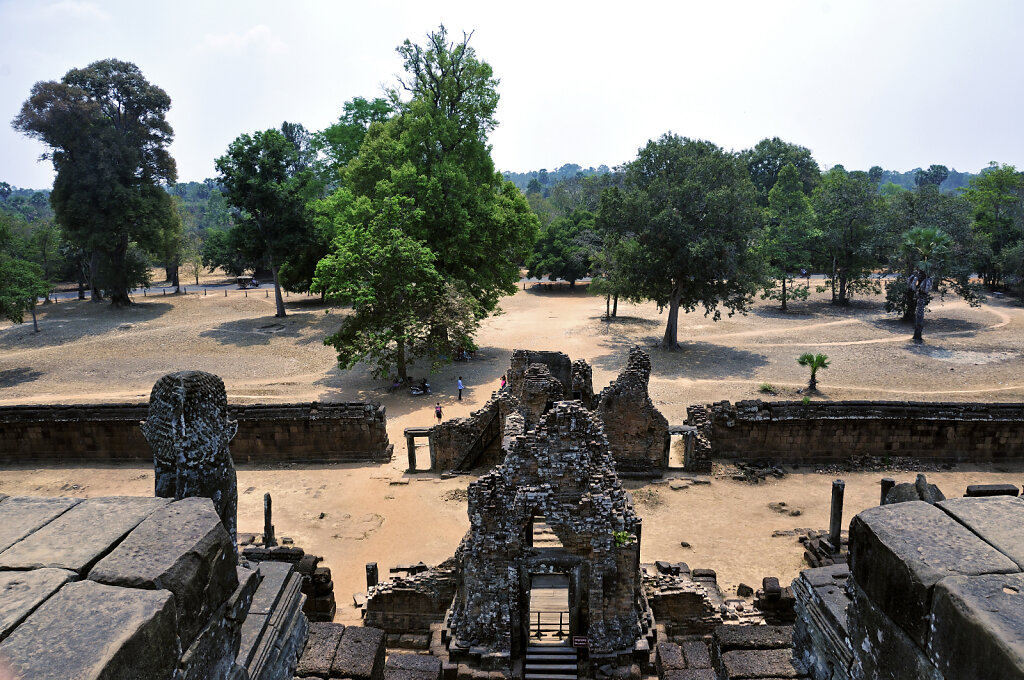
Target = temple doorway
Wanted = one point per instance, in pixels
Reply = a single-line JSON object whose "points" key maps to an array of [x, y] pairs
{"points": [[549, 609]]}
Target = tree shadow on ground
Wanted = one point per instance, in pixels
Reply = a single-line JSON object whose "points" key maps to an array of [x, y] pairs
{"points": [[558, 288], [944, 325], [66, 322], [695, 360], [626, 322], [260, 330], [17, 376], [810, 308]]}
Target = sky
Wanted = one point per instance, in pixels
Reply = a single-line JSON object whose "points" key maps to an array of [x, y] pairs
{"points": [[896, 83]]}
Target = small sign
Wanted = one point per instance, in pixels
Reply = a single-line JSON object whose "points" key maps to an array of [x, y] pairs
{"points": [[580, 641]]}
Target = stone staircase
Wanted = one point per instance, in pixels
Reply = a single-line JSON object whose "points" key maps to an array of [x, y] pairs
{"points": [[551, 662]]}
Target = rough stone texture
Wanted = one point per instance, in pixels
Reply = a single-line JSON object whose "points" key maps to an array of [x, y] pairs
{"points": [[696, 654], [275, 629], [320, 649], [561, 470], [730, 638], [308, 432], [998, 520], [821, 638], [188, 430], [669, 657], [540, 390], [21, 592], [360, 655], [80, 536], [462, 443], [919, 490], [899, 552], [685, 606], [881, 648], [54, 643], [689, 674], [19, 517], [637, 431], [978, 627], [582, 388], [821, 432], [759, 663], [412, 667], [558, 364], [410, 604], [184, 548]]}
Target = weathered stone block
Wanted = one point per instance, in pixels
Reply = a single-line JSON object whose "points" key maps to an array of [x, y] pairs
{"points": [[412, 667], [184, 548], [978, 627], [881, 649], [900, 551], [759, 663], [320, 650], [689, 674], [80, 536], [998, 520], [669, 657], [130, 634], [729, 638], [19, 517], [360, 654], [696, 654], [22, 591]]}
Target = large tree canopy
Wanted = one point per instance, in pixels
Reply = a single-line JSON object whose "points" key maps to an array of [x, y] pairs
{"points": [[766, 160], [691, 214], [107, 130], [433, 159], [263, 179]]}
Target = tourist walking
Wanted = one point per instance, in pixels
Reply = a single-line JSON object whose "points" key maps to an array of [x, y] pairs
{"points": [[437, 413], [502, 382], [460, 388]]}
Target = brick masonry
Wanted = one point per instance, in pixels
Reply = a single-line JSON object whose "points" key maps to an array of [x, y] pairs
{"points": [[308, 432]]}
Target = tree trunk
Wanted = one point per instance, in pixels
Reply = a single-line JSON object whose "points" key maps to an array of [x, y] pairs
{"points": [[922, 302], [833, 280], [670, 341], [81, 287], [813, 384], [910, 304], [119, 291], [615, 304], [783, 292], [607, 306], [278, 299], [842, 299], [400, 359], [94, 266], [572, 283], [35, 323]]}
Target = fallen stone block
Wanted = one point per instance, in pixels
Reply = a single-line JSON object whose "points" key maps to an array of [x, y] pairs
{"points": [[130, 634], [983, 490], [320, 649], [80, 536], [412, 667], [978, 627], [696, 654], [360, 654], [900, 551], [729, 638], [184, 548], [22, 591]]}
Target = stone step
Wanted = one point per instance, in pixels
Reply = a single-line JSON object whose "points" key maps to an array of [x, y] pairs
{"points": [[562, 649], [550, 658], [550, 667], [550, 676]]}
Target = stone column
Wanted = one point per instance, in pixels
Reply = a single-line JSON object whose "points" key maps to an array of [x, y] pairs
{"points": [[410, 445], [887, 483], [269, 540], [836, 523]]}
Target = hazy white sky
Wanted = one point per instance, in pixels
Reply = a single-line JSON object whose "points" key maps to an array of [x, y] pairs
{"points": [[895, 83]]}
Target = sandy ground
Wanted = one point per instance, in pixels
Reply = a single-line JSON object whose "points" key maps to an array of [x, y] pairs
{"points": [[91, 353]]}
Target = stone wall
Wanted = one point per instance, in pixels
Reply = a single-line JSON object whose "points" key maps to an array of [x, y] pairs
{"points": [[464, 443], [306, 432], [793, 432], [637, 431]]}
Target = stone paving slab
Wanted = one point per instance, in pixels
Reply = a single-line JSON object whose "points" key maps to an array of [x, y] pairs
{"points": [[978, 627], [998, 520], [20, 516], [730, 638], [184, 548], [127, 635], [669, 657], [320, 649], [22, 591], [900, 551], [80, 536], [360, 655], [759, 663]]}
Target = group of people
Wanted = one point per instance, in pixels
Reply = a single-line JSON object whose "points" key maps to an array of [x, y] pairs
{"points": [[439, 411]]}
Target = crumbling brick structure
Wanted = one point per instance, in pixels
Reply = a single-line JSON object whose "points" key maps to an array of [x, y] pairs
{"points": [[557, 363], [561, 470], [637, 431]]}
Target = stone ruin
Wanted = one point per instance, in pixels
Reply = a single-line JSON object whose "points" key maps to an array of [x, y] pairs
{"points": [[637, 431], [188, 430], [560, 470]]}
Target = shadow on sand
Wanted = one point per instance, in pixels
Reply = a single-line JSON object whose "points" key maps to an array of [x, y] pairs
{"points": [[66, 322], [17, 376]]}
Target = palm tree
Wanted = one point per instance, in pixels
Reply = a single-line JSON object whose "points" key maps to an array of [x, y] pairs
{"points": [[815, 361], [928, 248]]}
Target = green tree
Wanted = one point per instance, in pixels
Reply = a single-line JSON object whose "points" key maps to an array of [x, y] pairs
{"points": [[433, 155], [21, 282], [935, 268], [997, 195], [690, 216], [259, 180], [564, 249], [846, 206], [815, 362], [107, 130], [765, 161], [339, 143], [934, 176], [223, 248], [788, 236]]}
